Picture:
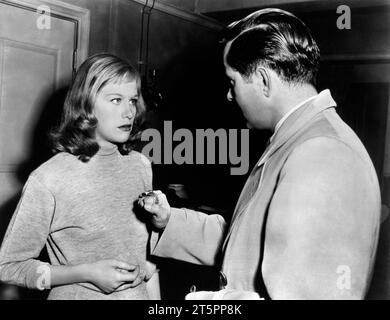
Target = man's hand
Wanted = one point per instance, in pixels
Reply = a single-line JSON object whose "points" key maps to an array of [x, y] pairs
{"points": [[110, 275], [156, 203]]}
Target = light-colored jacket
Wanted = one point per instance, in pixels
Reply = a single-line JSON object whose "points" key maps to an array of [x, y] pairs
{"points": [[306, 224]]}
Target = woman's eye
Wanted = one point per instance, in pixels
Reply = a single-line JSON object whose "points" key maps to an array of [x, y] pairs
{"points": [[116, 100], [133, 101]]}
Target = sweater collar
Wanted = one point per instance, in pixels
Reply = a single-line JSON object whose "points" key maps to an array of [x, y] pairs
{"points": [[107, 150]]}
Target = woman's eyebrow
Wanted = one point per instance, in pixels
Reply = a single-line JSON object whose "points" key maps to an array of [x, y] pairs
{"points": [[113, 94]]}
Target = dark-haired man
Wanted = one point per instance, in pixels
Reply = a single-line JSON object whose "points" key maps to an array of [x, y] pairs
{"points": [[306, 223]]}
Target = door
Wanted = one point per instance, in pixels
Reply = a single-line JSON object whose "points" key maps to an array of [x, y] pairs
{"points": [[35, 63]]}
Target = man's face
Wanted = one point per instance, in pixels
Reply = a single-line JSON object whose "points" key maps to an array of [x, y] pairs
{"points": [[247, 92]]}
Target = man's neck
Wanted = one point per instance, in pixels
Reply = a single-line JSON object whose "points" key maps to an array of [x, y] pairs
{"points": [[290, 96]]}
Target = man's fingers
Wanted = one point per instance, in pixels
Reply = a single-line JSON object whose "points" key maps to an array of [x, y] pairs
{"points": [[153, 201], [148, 207], [162, 198], [152, 206], [150, 200]]}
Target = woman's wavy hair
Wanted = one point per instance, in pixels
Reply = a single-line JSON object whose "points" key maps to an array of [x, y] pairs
{"points": [[76, 131]]}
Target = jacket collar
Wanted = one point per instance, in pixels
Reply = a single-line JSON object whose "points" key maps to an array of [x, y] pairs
{"points": [[297, 120]]}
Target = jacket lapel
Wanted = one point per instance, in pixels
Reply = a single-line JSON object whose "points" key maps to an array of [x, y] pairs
{"points": [[291, 127], [249, 189], [298, 120]]}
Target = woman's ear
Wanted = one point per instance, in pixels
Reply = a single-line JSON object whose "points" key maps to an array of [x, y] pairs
{"points": [[264, 80]]}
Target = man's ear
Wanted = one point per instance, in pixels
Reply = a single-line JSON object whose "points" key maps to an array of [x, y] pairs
{"points": [[263, 77]]}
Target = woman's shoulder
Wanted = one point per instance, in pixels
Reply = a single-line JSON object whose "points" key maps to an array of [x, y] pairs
{"points": [[140, 163], [55, 167], [136, 157]]}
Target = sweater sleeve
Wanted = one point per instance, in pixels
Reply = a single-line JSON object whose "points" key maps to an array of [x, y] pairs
{"points": [[26, 236], [147, 174]]}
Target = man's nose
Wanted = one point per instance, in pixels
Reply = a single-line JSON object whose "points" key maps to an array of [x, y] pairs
{"points": [[229, 95]]}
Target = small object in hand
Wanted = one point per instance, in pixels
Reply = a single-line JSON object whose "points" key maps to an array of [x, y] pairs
{"points": [[149, 193]]}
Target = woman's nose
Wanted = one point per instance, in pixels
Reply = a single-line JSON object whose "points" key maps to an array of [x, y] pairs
{"points": [[129, 110]]}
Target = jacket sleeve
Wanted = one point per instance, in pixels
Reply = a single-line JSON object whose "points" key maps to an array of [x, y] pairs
{"points": [[26, 236], [191, 236], [322, 226]]}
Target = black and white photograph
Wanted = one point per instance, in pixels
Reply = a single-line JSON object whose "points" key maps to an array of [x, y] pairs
{"points": [[194, 150]]}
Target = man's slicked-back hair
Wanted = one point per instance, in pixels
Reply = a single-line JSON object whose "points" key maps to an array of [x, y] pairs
{"points": [[275, 39]]}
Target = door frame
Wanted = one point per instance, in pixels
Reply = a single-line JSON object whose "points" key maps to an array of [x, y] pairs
{"points": [[81, 19], [79, 16]]}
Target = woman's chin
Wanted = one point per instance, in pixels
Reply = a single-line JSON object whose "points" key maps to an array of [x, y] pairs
{"points": [[122, 138]]}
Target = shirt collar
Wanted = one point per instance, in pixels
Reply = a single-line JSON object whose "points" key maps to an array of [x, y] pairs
{"points": [[283, 119], [322, 99]]}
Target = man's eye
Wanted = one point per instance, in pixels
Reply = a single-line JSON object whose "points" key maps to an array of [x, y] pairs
{"points": [[116, 100]]}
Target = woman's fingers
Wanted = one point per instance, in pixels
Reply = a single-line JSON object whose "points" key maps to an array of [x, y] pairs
{"points": [[128, 276], [127, 285], [136, 282], [122, 265]]}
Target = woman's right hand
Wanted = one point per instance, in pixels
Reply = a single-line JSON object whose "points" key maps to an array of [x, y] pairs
{"points": [[109, 275]]}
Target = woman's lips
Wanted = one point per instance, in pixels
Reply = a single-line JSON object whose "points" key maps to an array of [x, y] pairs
{"points": [[126, 127]]}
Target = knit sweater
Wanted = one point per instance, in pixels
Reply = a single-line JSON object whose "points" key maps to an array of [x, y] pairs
{"points": [[83, 212]]}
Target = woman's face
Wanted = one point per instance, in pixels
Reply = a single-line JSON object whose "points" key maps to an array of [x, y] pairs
{"points": [[115, 109]]}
